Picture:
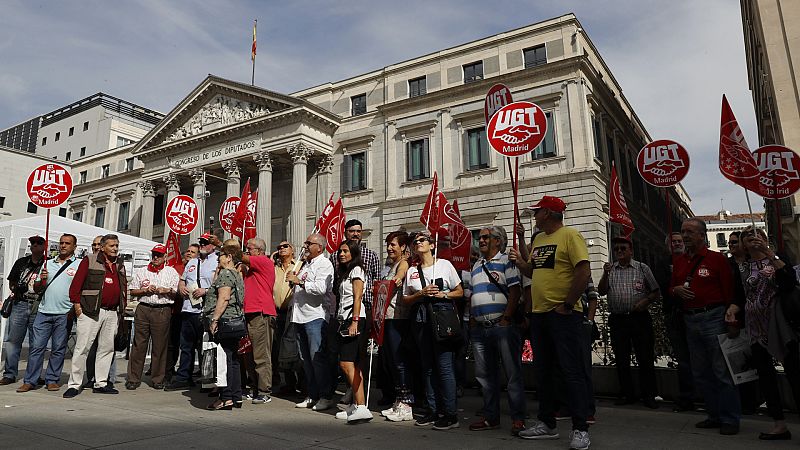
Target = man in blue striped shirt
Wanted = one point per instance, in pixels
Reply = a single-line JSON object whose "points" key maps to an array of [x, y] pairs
{"points": [[492, 331]]}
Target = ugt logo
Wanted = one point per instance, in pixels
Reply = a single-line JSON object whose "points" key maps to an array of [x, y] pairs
{"points": [[662, 160], [516, 125], [49, 182], [183, 213]]}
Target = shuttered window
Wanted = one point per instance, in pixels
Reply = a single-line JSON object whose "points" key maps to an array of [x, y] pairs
{"points": [[418, 159]]}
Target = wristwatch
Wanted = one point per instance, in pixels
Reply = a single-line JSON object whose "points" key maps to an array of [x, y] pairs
{"points": [[356, 319]]}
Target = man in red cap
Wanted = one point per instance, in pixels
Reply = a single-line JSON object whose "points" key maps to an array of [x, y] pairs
{"points": [[559, 266], [155, 287]]}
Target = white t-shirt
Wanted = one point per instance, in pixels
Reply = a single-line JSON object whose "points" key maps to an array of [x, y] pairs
{"points": [[346, 294], [441, 269]]}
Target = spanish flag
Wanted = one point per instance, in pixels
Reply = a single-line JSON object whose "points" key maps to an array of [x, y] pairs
{"points": [[253, 51]]}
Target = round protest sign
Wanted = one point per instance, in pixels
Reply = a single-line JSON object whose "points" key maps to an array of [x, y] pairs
{"points": [[226, 213], [779, 171], [182, 214], [49, 185], [497, 97], [663, 163], [517, 128]]}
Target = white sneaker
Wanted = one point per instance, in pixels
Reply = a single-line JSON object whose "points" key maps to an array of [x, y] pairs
{"points": [[539, 431], [346, 412], [402, 413], [323, 404], [579, 440], [391, 410], [359, 415], [307, 403]]}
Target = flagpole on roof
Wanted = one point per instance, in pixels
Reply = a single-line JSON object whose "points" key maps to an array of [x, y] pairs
{"points": [[253, 54]]}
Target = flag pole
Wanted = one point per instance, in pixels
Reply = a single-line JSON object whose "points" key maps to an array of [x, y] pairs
{"points": [[749, 208], [253, 77], [515, 186]]}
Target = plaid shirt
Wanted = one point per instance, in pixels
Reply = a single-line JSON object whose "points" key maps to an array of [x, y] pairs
{"points": [[372, 267], [629, 284]]}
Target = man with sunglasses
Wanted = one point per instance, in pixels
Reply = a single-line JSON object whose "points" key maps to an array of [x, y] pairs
{"points": [[631, 287], [313, 290], [282, 294], [155, 286]]}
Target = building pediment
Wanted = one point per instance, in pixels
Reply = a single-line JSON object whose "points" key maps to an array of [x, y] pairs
{"points": [[219, 106]]}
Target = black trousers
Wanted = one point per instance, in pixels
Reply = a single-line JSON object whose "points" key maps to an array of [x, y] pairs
{"points": [[768, 380], [634, 332]]}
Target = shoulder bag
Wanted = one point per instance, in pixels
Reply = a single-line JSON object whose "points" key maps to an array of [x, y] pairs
{"points": [[234, 327], [445, 322], [8, 303]]}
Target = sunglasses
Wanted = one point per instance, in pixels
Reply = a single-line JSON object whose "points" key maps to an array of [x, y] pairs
{"points": [[282, 246], [420, 241], [484, 237]]}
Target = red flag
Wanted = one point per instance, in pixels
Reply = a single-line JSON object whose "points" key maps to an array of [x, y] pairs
{"points": [[735, 160], [334, 227], [250, 222], [618, 208], [253, 50], [237, 227], [430, 213], [173, 257], [454, 238], [455, 207], [322, 217]]}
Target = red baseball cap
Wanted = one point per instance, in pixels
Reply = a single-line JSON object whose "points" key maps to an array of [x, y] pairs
{"points": [[205, 237], [551, 203], [159, 248]]}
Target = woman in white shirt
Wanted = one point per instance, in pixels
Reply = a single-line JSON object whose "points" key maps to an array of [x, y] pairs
{"points": [[434, 289], [351, 324]]}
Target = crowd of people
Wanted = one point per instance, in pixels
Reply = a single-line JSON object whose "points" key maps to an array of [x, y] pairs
{"points": [[300, 321]]}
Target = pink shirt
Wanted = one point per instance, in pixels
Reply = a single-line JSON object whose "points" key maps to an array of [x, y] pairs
{"points": [[258, 284]]}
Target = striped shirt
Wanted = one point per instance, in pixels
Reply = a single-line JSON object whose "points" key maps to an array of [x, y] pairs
{"points": [[487, 302], [629, 284]]}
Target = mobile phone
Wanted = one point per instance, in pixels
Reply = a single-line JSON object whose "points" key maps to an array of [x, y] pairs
{"points": [[439, 282]]}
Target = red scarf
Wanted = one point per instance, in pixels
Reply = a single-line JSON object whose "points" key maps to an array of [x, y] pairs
{"points": [[154, 269]]}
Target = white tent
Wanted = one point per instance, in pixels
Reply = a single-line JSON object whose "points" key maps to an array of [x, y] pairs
{"points": [[14, 236]]}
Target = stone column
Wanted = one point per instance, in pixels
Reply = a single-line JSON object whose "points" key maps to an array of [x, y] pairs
{"points": [[264, 207], [325, 172], [234, 178], [112, 211], [173, 187], [297, 231], [148, 208], [199, 195]]}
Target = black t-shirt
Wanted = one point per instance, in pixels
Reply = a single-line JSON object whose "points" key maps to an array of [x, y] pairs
{"points": [[21, 273]]}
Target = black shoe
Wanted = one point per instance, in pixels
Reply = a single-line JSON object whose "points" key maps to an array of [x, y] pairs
{"points": [[708, 423], [71, 392], [105, 390], [158, 386], [41, 382], [650, 403], [427, 420], [446, 422], [131, 386], [785, 436], [177, 386], [728, 429]]}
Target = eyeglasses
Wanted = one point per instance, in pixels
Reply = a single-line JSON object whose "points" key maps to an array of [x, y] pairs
{"points": [[282, 246], [420, 241], [354, 230], [484, 237]]}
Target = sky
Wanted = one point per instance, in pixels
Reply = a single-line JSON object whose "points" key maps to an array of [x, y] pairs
{"points": [[674, 59]]}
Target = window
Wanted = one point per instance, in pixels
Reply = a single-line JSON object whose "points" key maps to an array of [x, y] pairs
{"points": [[128, 164], [83, 151], [82, 177], [122, 218], [77, 216], [68, 156], [598, 138], [721, 242], [416, 87], [354, 172], [418, 159], [477, 149], [535, 56], [58, 136], [71, 131], [473, 72], [2, 202], [104, 171], [44, 141], [123, 141], [547, 148], [32, 208], [158, 210], [610, 149], [85, 126], [358, 104], [62, 212], [100, 217]]}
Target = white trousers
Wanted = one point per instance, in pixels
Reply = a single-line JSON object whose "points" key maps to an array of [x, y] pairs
{"points": [[103, 330]]}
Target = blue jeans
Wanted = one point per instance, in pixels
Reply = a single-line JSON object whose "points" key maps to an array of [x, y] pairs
{"points": [[395, 330], [311, 338], [711, 376], [559, 340], [20, 323], [191, 334], [53, 328], [436, 362], [489, 345]]}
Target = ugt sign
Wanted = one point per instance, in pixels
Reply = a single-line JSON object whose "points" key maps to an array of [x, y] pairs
{"points": [[516, 129], [182, 214], [663, 163], [779, 171], [49, 185]]}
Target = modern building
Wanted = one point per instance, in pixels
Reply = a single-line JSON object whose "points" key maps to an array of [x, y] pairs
{"points": [[377, 138], [720, 226], [772, 47]]}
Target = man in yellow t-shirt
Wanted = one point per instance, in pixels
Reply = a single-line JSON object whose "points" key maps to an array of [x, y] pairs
{"points": [[559, 267]]}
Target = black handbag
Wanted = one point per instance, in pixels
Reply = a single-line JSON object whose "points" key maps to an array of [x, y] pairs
{"points": [[8, 304], [233, 328], [445, 322]]}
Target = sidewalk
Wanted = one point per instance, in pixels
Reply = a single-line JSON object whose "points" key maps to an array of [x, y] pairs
{"points": [[147, 419]]}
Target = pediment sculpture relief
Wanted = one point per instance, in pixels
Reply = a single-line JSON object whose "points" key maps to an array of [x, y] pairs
{"points": [[219, 112]]}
